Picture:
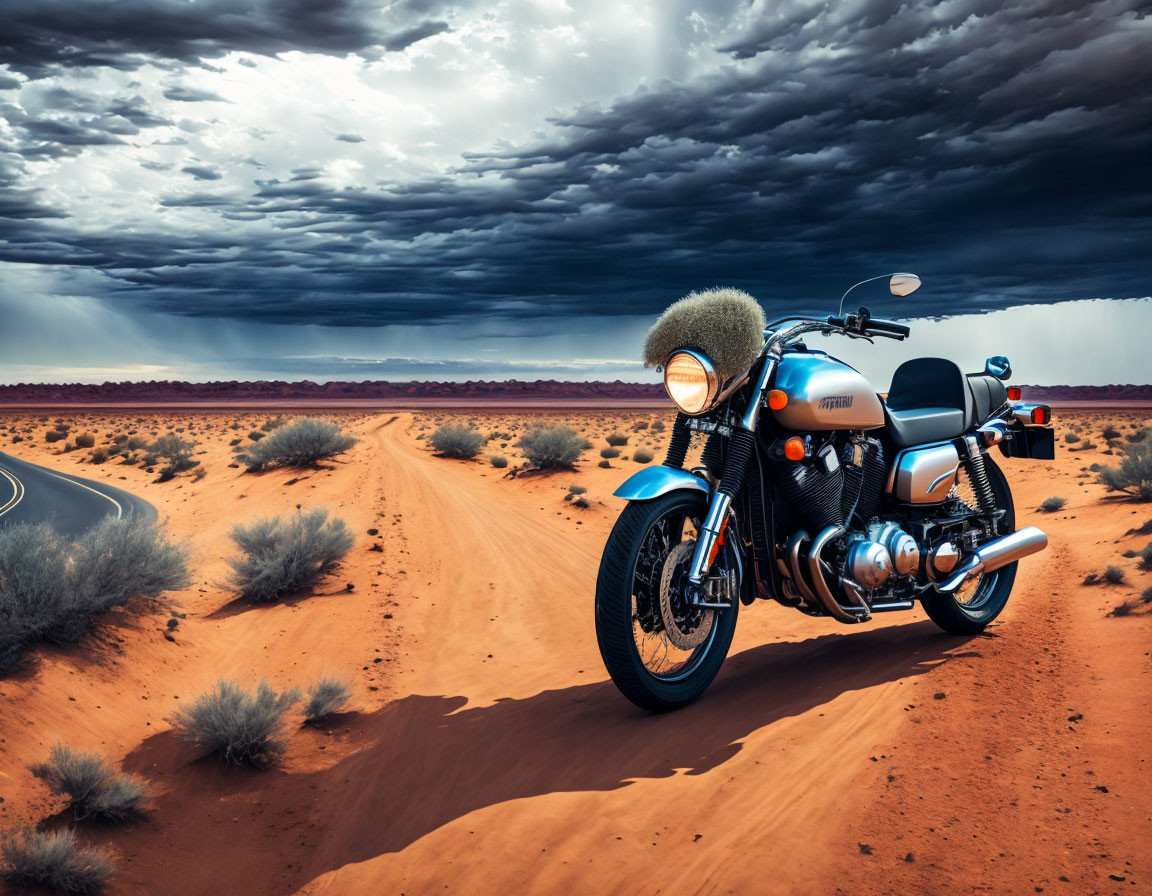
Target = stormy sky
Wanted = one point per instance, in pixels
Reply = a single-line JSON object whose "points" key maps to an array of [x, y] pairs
{"points": [[515, 188]]}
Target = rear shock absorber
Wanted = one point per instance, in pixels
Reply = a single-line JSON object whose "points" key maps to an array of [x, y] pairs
{"points": [[978, 476]]}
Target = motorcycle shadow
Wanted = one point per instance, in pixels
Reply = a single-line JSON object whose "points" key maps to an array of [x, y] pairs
{"points": [[421, 762]]}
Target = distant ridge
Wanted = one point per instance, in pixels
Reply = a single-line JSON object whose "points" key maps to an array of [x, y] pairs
{"points": [[175, 391], [166, 391]]}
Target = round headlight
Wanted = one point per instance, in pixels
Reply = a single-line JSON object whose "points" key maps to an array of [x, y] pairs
{"points": [[691, 381]]}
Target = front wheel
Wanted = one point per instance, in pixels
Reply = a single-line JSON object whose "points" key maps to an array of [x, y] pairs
{"points": [[969, 609], [661, 652]]}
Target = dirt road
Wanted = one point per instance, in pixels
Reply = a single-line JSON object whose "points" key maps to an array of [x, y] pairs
{"points": [[490, 754]]}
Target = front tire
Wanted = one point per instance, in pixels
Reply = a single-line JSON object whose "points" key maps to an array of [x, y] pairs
{"points": [[617, 598], [971, 612]]}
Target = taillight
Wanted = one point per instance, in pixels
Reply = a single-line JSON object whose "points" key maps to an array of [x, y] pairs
{"points": [[1041, 414], [1015, 393]]}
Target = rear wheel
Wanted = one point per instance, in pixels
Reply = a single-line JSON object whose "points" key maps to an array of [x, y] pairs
{"points": [[969, 609], [661, 652]]}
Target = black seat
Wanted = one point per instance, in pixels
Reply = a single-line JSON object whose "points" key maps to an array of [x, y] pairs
{"points": [[929, 401], [988, 394]]}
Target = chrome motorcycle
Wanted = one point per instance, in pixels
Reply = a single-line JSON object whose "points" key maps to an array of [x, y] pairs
{"points": [[811, 490]]}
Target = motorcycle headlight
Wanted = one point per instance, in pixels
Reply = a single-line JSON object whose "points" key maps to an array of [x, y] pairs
{"points": [[691, 381]]}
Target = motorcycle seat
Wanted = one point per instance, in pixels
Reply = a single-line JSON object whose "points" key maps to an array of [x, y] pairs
{"points": [[918, 426], [930, 400]]}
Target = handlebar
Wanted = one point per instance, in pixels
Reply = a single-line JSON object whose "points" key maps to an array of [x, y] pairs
{"points": [[887, 327]]}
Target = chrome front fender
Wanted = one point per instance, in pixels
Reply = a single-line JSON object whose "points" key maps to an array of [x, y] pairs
{"points": [[652, 482]]}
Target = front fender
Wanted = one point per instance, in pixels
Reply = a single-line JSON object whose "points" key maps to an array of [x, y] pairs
{"points": [[652, 482]]}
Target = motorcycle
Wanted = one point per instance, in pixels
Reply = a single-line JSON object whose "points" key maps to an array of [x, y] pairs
{"points": [[811, 490]]}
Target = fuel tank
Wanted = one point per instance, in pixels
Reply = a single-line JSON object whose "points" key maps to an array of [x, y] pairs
{"points": [[824, 393]]}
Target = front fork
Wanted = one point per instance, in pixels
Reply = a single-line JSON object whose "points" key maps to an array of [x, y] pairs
{"points": [[743, 443]]}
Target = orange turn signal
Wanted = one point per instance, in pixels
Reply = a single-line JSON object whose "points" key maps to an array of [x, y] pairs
{"points": [[794, 448], [777, 400], [1015, 393]]}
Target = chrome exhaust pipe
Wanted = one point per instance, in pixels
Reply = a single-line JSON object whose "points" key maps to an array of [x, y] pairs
{"points": [[821, 586], [996, 554]]}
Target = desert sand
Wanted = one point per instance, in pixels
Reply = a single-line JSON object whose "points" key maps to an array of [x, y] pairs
{"points": [[484, 750]]}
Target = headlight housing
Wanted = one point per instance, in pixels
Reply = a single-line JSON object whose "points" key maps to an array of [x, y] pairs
{"points": [[691, 381]]}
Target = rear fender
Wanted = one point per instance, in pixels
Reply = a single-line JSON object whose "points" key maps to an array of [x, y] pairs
{"points": [[652, 482]]}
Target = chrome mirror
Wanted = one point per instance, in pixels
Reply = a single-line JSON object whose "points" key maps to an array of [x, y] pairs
{"points": [[999, 367], [904, 284]]}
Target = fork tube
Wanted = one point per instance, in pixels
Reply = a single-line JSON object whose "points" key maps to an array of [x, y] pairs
{"points": [[738, 455]]}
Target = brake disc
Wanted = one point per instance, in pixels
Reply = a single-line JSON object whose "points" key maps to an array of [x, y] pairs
{"points": [[687, 626]]}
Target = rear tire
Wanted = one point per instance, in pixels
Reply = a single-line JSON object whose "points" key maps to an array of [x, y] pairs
{"points": [[957, 618], [614, 611]]}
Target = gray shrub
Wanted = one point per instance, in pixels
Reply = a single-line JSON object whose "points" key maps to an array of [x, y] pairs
{"points": [[241, 727], [1134, 474], [552, 447], [51, 587], [93, 787], [280, 555], [326, 696], [455, 440], [302, 443], [53, 859]]}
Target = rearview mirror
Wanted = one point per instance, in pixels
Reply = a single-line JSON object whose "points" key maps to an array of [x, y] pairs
{"points": [[904, 284], [999, 367]]}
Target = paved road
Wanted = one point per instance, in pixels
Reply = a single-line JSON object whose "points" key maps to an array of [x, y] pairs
{"points": [[32, 494]]}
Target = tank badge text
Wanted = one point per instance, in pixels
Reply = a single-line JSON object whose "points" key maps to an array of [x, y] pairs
{"points": [[835, 402]]}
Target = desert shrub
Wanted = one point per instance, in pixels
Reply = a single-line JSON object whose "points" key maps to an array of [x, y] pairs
{"points": [[1122, 609], [577, 490], [604, 464], [1113, 575], [1110, 432], [302, 443], [1137, 436], [581, 502], [1051, 505], [1071, 438], [326, 696], [658, 426], [1146, 596], [498, 461], [1145, 555], [242, 727], [98, 456], [51, 587], [177, 451], [256, 435], [609, 452], [642, 456], [551, 447], [52, 436], [54, 860], [1134, 475], [455, 440], [93, 787], [616, 439], [85, 440], [280, 556], [272, 424], [639, 425]]}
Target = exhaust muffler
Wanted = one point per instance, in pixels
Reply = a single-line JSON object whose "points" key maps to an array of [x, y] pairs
{"points": [[992, 556]]}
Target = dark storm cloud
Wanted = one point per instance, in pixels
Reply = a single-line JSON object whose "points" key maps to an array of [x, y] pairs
{"points": [[190, 95], [40, 36], [998, 150], [202, 172]]}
